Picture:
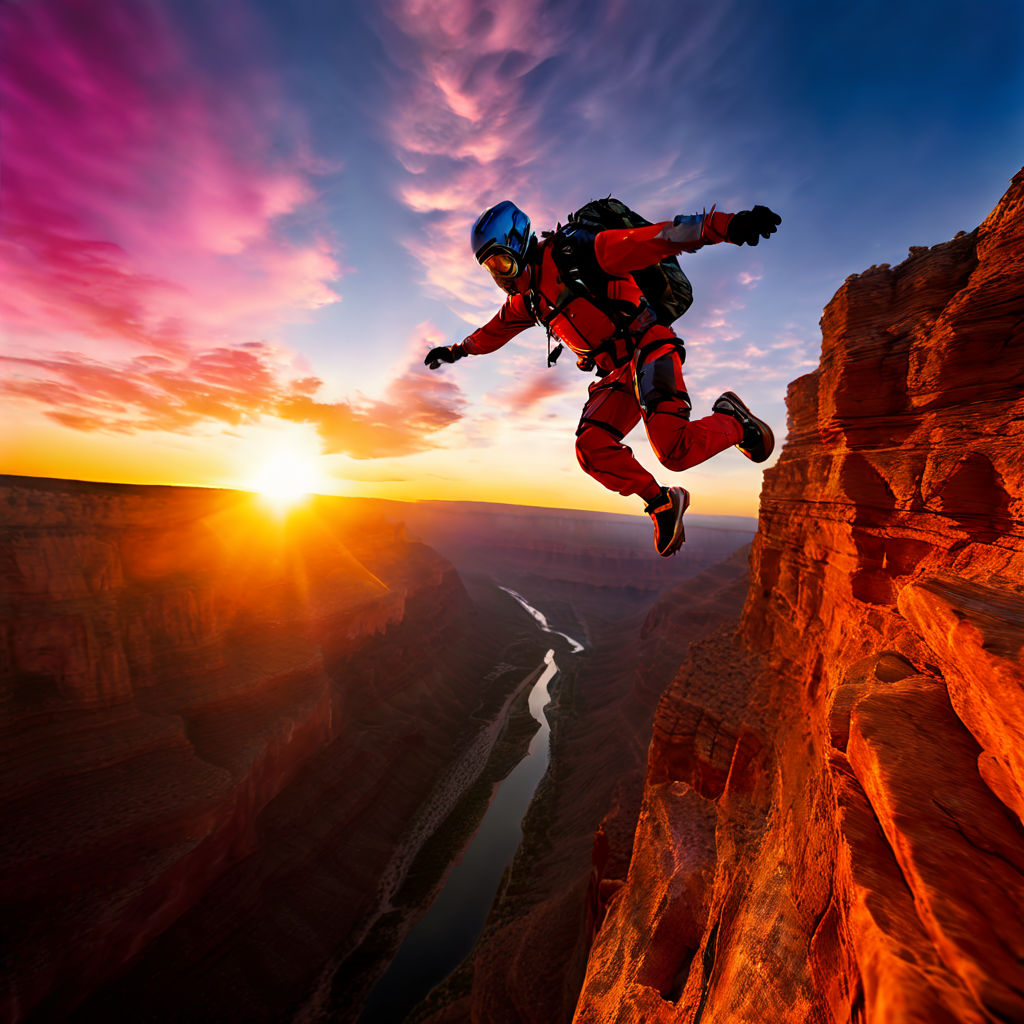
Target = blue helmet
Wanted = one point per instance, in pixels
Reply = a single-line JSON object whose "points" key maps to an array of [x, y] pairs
{"points": [[502, 229]]}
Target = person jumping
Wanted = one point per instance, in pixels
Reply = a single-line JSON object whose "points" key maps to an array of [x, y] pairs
{"points": [[586, 295]]}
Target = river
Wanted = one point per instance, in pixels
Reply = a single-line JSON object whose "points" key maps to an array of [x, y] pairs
{"points": [[443, 937]]}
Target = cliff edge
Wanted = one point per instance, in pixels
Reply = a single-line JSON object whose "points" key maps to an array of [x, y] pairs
{"points": [[831, 827]]}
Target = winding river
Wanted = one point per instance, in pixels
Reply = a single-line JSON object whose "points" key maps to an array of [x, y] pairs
{"points": [[443, 937]]}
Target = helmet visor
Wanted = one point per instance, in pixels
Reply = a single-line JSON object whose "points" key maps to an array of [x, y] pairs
{"points": [[501, 265]]}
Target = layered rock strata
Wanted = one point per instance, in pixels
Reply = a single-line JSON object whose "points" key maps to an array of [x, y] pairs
{"points": [[831, 827], [351, 850], [172, 661]]}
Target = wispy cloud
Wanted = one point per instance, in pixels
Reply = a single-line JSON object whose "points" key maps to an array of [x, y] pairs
{"points": [[148, 206], [150, 228], [461, 123], [419, 405], [535, 103], [534, 389], [156, 392]]}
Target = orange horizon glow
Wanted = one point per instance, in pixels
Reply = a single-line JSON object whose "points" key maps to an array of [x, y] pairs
{"points": [[287, 474], [281, 507], [235, 460]]}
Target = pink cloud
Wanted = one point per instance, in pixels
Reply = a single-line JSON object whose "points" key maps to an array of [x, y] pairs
{"points": [[419, 405], [529, 385], [463, 125], [144, 200], [232, 386], [542, 385], [147, 234]]}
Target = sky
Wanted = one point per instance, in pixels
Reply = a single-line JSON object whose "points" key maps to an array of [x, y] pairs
{"points": [[230, 232]]}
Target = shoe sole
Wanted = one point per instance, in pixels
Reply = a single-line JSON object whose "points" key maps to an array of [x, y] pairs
{"points": [[766, 431], [679, 534]]}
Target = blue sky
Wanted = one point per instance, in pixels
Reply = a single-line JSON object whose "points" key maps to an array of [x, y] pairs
{"points": [[295, 184]]}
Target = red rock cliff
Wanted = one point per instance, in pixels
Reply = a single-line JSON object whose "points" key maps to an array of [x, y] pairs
{"points": [[169, 659], [832, 819]]}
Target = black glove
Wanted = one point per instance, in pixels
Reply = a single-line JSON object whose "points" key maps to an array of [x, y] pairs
{"points": [[747, 225], [444, 354]]}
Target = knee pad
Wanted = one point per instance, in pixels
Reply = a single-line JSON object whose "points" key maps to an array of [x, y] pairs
{"points": [[658, 381]]}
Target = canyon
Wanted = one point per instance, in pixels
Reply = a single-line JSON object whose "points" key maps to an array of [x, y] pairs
{"points": [[189, 684], [233, 741], [785, 778], [831, 820], [529, 962]]}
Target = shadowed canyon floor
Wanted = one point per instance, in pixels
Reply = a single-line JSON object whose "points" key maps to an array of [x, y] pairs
{"points": [[529, 963], [190, 684]]}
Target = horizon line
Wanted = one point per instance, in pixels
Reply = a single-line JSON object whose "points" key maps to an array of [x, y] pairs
{"points": [[8, 478]]}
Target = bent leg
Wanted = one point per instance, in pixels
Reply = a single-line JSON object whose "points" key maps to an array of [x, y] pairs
{"points": [[661, 394], [683, 445], [612, 412]]}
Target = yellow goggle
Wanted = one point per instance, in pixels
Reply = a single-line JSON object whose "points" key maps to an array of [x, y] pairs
{"points": [[501, 264]]}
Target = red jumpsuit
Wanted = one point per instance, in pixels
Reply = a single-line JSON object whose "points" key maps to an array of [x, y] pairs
{"points": [[613, 407]]}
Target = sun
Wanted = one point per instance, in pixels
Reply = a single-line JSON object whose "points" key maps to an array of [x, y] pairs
{"points": [[286, 477]]}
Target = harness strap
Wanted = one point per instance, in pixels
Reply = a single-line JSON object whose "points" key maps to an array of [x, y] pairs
{"points": [[630, 321], [617, 434]]}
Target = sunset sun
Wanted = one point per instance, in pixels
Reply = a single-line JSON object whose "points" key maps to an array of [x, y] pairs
{"points": [[286, 477]]}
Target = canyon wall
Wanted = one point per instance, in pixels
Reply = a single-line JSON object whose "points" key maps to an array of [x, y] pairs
{"points": [[831, 828], [171, 661], [528, 964]]}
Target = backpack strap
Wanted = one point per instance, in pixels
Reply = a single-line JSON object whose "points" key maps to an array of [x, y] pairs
{"points": [[533, 308], [583, 278], [572, 249]]}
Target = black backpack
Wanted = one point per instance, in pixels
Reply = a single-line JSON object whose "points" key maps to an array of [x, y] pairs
{"points": [[665, 286]]}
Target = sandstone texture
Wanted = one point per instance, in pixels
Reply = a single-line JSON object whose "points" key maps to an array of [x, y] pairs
{"points": [[831, 828], [172, 661]]}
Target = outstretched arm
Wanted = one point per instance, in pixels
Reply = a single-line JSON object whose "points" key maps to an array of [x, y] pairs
{"points": [[621, 251], [510, 320]]}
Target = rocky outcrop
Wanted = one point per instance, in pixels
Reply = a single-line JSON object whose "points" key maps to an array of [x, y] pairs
{"points": [[831, 827], [172, 660]]}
